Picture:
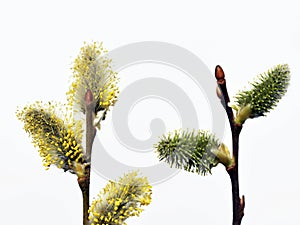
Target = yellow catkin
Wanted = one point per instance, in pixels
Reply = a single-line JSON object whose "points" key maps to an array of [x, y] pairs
{"points": [[121, 199], [92, 71], [58, 144]]}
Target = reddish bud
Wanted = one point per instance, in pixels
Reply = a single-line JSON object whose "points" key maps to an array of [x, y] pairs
{"points": [[88, 97], [219, 73]]}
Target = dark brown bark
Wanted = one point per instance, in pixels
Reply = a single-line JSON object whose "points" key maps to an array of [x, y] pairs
{"points": [[238, 204], [84, 184]]}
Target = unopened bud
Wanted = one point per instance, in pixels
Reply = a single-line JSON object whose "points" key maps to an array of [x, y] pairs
{"points": [[223, 154], [219, 73], [243, 114], [88, 97]]}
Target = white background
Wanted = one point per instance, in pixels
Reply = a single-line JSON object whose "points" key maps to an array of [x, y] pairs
{"points": [[38, 41]]}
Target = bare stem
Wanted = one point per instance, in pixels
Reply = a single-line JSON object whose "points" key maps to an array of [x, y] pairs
{"points": [[84, 182], [90, 129], [238, 203]]}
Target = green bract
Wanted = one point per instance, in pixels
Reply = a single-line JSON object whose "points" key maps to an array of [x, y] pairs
{"points": [[189, 150], [264, 95]]}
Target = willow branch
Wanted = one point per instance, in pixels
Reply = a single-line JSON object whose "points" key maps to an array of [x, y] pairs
{"points": [[84, 182], [238, 203], [90, 129]]}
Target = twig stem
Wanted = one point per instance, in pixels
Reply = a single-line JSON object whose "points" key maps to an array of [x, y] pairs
{"points": [[237, 202], [84, 182]]}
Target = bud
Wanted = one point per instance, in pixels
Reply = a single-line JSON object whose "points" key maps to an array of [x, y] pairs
{"points": [[243, 114], [88, 97], [219, 74], [223, 155]]}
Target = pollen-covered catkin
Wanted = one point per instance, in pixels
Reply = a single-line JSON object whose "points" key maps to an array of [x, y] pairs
{"points": [[120, 200], [57, 138], [92, 71]]}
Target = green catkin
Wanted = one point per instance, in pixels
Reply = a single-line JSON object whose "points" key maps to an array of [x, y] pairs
{"points": [[266, 92], [189, 150]]}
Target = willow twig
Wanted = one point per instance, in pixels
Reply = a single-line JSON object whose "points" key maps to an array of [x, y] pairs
{"points": [[84, 182], [233, 171]]}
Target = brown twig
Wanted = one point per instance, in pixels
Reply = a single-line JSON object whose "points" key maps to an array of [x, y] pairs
{"points": [[84, 182], [90, 129], [237, 202]]}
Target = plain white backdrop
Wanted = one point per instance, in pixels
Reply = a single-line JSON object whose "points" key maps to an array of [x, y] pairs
{"points": [[38, 41]]}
